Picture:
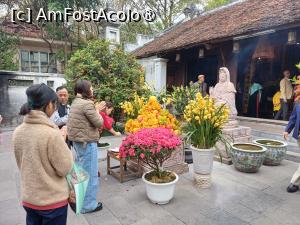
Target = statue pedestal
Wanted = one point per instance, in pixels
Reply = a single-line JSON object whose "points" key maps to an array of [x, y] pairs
{"points": [[236, 134], [202, 181], [175, 163]]}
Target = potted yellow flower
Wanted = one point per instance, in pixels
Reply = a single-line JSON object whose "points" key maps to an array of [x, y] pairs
{"points": [[203, 128], [152, 115]]}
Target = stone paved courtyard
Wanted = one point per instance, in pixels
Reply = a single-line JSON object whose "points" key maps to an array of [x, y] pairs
{"points": [[235, 198]]}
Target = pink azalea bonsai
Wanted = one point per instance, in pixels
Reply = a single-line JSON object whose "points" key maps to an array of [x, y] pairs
{"points": [[152, 146]]}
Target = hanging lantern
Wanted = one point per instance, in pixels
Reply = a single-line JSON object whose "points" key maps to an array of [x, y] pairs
{"points": [[292, 37], [264, 49], [201, 53], [236, 47], [177, 59]]}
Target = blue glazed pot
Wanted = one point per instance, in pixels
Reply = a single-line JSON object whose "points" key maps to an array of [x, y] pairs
{"points": [[247, 157], [276, 151]]}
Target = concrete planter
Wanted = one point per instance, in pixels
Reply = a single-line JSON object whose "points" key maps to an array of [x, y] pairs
{"points": [[160, 193], [276, 151], [247, 157], [202, 160]]}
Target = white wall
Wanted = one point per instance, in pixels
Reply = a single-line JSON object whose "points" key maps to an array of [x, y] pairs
{"points": [[13, 92], [155, 72], [140, 41], [149, 68]]}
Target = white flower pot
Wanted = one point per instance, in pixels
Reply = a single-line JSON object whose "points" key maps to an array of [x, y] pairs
{"points": [[202, 160], [102, 153], [160, 193]]}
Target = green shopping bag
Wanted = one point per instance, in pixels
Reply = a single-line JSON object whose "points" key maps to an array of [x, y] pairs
{"points": [[78, 180]]}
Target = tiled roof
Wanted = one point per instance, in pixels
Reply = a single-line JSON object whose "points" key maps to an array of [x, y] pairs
{"points": [[22, 29], [237, 19]]}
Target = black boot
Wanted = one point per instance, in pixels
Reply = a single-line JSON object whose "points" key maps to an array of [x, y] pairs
{"points": [[292, 188], [98, 208]]}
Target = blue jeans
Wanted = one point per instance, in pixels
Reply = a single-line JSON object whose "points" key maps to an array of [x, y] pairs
{"points": [[87, 158], [47, 217]]}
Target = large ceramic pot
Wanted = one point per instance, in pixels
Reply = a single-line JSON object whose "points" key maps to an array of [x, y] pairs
{"points": [[160, 193], [202, 160], [276, 151], [247, 157]]}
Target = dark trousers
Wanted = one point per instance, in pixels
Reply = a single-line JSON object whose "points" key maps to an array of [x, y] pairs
{"points": [[284, 109], [47, 217]]}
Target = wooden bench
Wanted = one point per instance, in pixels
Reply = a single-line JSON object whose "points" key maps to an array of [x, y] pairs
{"points": [[121, 171]]}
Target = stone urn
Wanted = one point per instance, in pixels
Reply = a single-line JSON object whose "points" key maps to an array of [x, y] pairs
{"points": [[276, 151], [247, 157], [160, 193], [203, 164]]}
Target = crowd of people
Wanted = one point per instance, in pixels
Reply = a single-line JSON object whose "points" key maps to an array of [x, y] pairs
{"points": [[51, 127], [42, 149], [283, 99]]}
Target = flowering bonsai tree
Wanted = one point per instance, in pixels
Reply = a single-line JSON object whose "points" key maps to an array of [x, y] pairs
{"points": [[152, 146]]}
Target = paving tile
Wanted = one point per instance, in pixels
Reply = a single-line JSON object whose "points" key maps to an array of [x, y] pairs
{"points": [[283, 215], [240, 211], [234, 198], [74, 219], [8, 161], [222, 217], [10, 212], [279, 190], [104, 217], [143, 222], [189, 206], [124, 211], [8, 190], [261, 202]]}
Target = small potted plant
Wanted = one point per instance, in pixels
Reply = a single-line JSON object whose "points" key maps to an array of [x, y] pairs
{"points": [[203, 129], [153, 146]]}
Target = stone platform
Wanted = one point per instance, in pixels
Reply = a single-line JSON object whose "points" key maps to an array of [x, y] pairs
{"points": [[234, 135]]}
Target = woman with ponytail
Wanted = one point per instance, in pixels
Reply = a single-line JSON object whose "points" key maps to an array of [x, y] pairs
{"points": [[43, 159]]}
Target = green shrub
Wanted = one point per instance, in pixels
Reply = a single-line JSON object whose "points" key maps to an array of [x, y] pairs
{"points": [[115, 75], [8, 50]]}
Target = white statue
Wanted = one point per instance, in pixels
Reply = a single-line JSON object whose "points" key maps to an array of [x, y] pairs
{"points": [[224, 93]]}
